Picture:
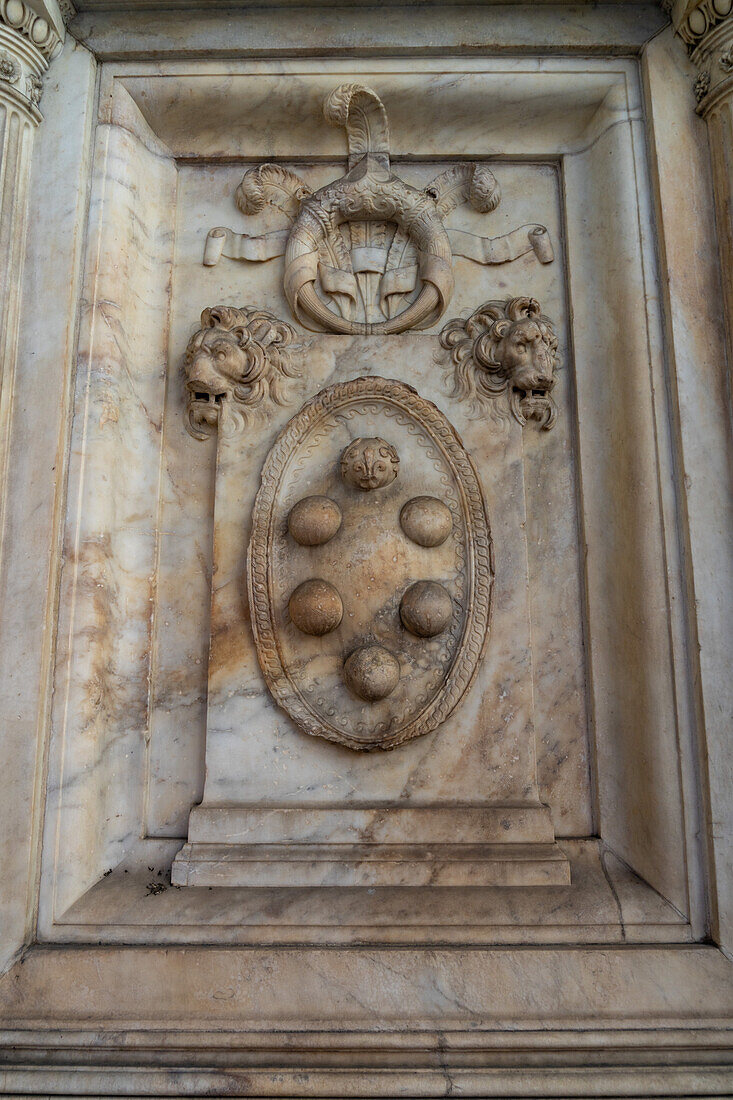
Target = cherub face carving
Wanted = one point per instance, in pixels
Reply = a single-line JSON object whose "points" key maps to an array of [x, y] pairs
{"points": [[368, 464]]}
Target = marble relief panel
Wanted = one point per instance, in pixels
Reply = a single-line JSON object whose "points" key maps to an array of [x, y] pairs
{"points": [[168, 654], [531, 193]]}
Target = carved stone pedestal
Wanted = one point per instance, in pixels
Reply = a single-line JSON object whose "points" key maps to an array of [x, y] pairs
{"points": [[379, 846], [442, 787]]}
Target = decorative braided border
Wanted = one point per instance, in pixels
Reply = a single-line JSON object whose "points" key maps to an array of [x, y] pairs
{"points": [[479, 564]]}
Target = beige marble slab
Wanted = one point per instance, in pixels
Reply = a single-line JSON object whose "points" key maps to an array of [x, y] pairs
{"points": [[616, 345], [483, 752], [582, 28], [695, 332], [37, 460], [379, 991], [179, 689], [370, 864]]}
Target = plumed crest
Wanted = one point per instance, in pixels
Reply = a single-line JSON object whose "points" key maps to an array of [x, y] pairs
{"points": [[472, 183], [271, 185], [360, 110]]}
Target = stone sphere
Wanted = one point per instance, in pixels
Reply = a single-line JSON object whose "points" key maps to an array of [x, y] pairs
{"points": [[368, 464], [426, 521], [314, 520], [372, 672], [315, 607], [426, 608]]}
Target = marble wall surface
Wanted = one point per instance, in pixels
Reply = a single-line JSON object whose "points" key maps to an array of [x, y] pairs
{"points": [[610, 982], [106, 606], [584, 112], [484, 753], [36, 475], [205, 199], [695, 335]]}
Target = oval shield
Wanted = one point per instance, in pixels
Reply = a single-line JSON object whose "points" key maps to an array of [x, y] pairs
{"points": [[369, 566]]}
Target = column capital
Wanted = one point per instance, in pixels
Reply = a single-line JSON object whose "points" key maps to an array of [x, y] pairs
{"points": [[31, 34], [706, 27]]}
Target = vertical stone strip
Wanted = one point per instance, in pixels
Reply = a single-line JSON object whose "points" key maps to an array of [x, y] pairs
{"points": [[31, 34], [719, 117], [706, 26]]}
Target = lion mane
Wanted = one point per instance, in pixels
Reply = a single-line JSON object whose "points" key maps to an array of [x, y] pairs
{"points": [[480, 374], [261, 370]]}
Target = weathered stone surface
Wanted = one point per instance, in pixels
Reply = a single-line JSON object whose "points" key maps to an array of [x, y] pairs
{"points": [[608, 594], [374, 564], [369, 464], [316, 607]]}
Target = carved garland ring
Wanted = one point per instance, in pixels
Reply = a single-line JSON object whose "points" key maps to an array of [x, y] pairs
{"points": [[369, 193]]}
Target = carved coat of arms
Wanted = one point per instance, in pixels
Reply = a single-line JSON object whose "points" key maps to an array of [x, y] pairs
{"points": [[369, 567]]}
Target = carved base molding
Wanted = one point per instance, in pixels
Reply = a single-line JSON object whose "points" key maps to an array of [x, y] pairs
{"points": [[380, 846], [371, 865], [487, 1022]]}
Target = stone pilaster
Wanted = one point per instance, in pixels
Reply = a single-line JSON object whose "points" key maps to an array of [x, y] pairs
{"points": [[31, 34], [706, 26]]}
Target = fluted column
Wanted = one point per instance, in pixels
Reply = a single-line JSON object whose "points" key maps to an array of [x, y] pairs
{"points": [[31, 34], [706, 26]]}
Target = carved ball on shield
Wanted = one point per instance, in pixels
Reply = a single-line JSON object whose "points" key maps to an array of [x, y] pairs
{"points": [[372, 672], [369, 464], [314, 520], [315, 607], [426, 521], [426, 609]]}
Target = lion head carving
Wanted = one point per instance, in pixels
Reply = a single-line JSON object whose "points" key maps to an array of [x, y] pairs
{"points": [[235, 357], [506, 346]]}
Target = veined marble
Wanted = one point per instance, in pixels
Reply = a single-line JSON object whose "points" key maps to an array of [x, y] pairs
{"points": [[484, 752], [110, 542], [175, 703], [205, 198], [597, 126]]}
